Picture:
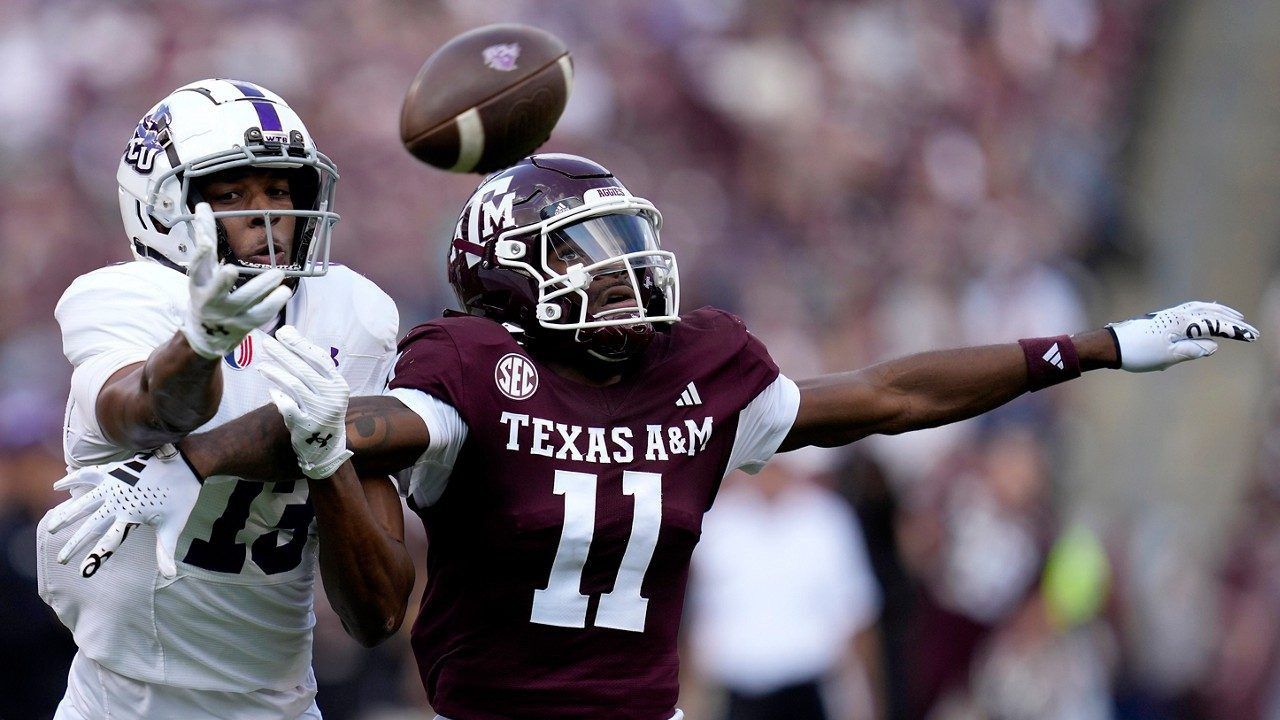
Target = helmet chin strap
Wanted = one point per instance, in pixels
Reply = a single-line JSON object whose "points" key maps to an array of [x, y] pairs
{"points": [[616, 343], [596, 351]]}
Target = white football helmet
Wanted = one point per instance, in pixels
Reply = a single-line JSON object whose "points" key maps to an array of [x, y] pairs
{"points": [[207, 127]]}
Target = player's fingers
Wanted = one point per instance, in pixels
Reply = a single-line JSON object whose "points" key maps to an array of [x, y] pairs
{"points": [[284, 371], [1214, 308], [287, 383], [1215, 323], [286, 405], [166, 548], [73, 510], [108, 544], [92, 529], [76, 481], [203, 232], [255, 289], [221, 280], [288, 358], [1228, 310], [268, 307], [1194, 348], [307, 351], [1237, 329], [89, 476], [206, 227]]}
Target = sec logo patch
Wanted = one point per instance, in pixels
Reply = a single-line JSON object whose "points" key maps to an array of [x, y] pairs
{"points": [[516, 376]]}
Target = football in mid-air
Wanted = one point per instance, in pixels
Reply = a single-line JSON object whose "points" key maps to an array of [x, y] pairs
{"points": [[486, 98]]}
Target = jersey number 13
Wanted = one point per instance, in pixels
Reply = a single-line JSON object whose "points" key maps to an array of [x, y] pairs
{"points": [[222, 553]]}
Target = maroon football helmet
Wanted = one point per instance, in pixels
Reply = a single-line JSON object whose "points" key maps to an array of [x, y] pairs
{"points": [[534, 238]]}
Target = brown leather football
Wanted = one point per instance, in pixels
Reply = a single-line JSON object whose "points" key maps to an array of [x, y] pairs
{"points": [[486, 98]]}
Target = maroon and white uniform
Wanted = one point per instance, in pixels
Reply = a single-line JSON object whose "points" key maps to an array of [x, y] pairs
{"points": [[561, 517]]}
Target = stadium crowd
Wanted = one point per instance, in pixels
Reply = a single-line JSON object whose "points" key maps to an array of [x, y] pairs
{"points": [[858, 180]]}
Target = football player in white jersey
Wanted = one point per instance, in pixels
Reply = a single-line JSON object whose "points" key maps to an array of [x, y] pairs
{"points": [[228, 207]]}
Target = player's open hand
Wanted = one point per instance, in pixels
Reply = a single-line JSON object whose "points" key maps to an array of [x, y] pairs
{"points": [[157, 488], [222, 314], [1165, 338], [312, 396]]}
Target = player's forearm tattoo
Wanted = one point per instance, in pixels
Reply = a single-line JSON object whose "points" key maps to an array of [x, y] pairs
{"points": [[369, 428], [385, 435]]}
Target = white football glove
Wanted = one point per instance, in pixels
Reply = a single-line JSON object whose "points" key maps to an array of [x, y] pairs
{"points": [[157, 489], [1165, 338], [221, 314], [312, 396]]}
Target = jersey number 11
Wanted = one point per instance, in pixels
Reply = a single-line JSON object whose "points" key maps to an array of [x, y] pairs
{"points": [[562, 603]]}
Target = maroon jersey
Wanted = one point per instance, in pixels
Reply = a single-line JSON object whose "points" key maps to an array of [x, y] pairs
{"points": [[559, 550]]}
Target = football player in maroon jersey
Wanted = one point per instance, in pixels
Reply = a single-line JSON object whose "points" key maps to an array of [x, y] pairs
{"points": [[565, 435]]}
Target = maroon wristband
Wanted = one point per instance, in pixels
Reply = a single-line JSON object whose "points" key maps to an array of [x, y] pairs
{"points": [[1050, 360]]}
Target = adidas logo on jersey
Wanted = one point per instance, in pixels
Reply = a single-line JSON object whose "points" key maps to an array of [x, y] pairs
{"points": [[1054, 357], [689, 397]]}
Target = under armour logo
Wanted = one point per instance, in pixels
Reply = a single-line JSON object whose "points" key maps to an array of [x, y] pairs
{"points": [[315, 439], [214, 329]]}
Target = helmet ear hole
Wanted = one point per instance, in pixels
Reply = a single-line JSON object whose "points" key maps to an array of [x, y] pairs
{"points": [[510, 249], [304, 184]]}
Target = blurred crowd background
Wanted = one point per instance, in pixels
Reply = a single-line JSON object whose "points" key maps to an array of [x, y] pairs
{"points": [[858, 180]]}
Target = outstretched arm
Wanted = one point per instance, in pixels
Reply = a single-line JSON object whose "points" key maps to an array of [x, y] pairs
{"points": [[385, 436], [936, 388], [922, 391], [178, 388], [151, 403]]}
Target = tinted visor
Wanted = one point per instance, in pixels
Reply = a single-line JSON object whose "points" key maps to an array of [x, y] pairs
{"points": [[600, 238]]}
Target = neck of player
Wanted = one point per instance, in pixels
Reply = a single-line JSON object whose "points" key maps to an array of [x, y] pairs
{"points": [[593, 374]]}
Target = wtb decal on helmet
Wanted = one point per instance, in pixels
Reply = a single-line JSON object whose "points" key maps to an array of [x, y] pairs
{"points": [[240, 358], [149, 139]]}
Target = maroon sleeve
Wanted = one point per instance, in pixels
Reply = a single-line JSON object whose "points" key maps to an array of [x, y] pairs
{"points": [[755, 354], [429, 361], [752, 361]]}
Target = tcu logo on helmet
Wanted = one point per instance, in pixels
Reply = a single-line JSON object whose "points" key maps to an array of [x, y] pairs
{"points": [[148, 140], [516, 376], [487, 214]]}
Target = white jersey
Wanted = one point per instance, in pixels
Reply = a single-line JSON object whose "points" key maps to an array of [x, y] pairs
{"points": [[238, 616]]}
